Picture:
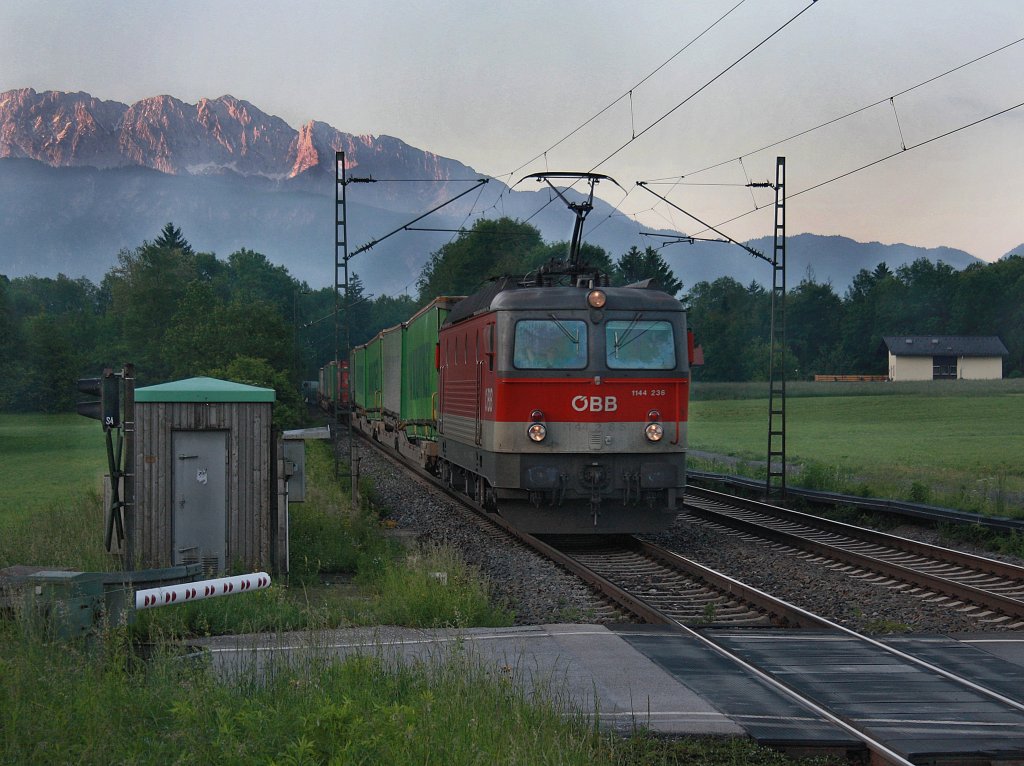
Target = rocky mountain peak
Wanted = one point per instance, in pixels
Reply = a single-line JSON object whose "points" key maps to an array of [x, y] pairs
{"points": [[309, 147], [224, 134], [58, 128]]}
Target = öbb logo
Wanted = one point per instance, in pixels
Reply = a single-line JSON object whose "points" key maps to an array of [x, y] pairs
{"points": [[595, 403]]}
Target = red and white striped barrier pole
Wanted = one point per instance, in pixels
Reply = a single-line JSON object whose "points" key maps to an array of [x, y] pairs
{"points": [[196, 591]]}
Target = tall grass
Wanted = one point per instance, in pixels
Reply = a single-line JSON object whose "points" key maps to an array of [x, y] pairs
{"points": [[93, 705], [65, 533], [390, 584]]}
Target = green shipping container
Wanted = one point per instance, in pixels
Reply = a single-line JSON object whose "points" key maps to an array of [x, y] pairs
{"points": [[374, 377], [364, 387], [419, 378]]}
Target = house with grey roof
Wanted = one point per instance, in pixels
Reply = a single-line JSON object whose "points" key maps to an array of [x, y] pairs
{"points": [[945, 357]]}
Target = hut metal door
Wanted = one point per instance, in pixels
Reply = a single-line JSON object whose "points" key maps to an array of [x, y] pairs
{"points": [[199, 518]]}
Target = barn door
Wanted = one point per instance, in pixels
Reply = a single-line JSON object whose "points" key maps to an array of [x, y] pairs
{"points": [[199, 518]]}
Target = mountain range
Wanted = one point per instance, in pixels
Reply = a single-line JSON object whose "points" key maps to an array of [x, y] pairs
{"points": [[82, 178]]}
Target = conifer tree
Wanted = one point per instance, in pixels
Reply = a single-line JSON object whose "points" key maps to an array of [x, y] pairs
{"points": [[171, 238], [635, 266]]}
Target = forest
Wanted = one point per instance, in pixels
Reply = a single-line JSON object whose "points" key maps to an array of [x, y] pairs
{"points": [[176, 313]]}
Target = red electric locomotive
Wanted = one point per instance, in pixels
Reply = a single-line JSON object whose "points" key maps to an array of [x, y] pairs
{"points": [[563, 401], [564, 407]]}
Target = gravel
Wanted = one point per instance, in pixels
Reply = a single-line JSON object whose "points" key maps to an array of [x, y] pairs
{"points": [[535, 589], [539, 592]]}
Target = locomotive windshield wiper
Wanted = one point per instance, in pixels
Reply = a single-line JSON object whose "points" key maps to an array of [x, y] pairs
{"points": [[574, 337], [625, 339]]}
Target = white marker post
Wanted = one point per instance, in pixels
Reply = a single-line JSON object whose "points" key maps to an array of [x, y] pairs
{"points": [[196, 591]]}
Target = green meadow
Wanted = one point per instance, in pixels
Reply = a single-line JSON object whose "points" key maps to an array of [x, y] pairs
{"points": [[948, 443], [48, 459]]}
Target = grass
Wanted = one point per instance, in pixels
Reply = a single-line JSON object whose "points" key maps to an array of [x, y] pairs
{"points": [[96, 702], [955, 445], [48, 459], [801, 389], [361, 710]]}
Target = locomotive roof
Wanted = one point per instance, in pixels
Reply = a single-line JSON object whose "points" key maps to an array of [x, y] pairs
{"points": [[508, 294]]}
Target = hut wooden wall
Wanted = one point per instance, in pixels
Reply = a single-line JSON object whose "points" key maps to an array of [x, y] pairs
{"points": [[249, 481]]}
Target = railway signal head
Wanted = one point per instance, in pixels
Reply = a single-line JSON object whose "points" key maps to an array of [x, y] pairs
{"points": [[108, 407]]}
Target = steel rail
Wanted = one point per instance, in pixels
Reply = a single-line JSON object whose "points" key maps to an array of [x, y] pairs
{"points": [[876, 505], [969, 560], [760, 600], [781, 612], [747, 598], [942, 585], [652, 615]]}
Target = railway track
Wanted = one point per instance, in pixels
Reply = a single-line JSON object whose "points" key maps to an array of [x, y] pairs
{"points": [[637, 577], [661, 587], [671, 588], [990, 591]]}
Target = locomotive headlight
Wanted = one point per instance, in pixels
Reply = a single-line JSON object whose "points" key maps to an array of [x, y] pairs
{"points": [[654, 432], [537, 432], [596, 299]]}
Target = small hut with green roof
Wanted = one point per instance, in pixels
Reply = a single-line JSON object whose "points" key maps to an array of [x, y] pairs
{"points": [[205, 476]]}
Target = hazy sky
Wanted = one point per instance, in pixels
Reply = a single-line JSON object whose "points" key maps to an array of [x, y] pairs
{"points": [[494, 85]]}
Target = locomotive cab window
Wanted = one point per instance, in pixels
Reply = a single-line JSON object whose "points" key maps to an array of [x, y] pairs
{"points": [[550, 344], [640, 345]]}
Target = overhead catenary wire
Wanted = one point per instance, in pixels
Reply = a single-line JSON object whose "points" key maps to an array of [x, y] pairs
{"points": [[879, 161], [627, 94], [671, 111], [678, 179], [840, 118], [918, 145], [705, 85]]}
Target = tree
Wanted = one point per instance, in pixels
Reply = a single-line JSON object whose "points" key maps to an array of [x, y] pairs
{"points": [[146, 288], [171, 238], [988, 301], [729, 320], [636, 266], [930, 288], [491, 248], [387, 311], [207, 332], [592, 257], [873, 308], [254, 371], [50, 366], [814, 320], [9, 353], [251, 275]]}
